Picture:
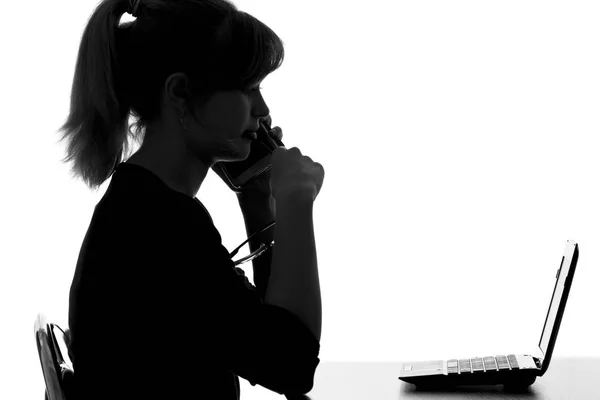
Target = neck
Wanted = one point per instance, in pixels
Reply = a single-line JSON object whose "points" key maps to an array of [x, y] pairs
{"points": [[180, 173]]}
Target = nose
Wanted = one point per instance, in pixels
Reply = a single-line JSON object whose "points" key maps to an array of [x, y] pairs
{"points": [[260, 108]]}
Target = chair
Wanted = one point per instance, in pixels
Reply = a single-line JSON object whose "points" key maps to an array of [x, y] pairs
{"points": [[54, 357]]}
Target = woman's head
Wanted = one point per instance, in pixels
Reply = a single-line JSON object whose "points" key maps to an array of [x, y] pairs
{"points": [[121, 68]]}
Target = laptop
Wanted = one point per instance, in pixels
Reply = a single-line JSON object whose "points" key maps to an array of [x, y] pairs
{"points": [[511, 370]]}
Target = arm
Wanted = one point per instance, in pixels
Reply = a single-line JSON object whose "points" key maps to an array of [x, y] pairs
{"points": [[231, 327], [294, 281], [293, 257], [295, 223], [258, 212]]}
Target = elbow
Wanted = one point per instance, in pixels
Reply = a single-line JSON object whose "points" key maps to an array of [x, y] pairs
{"points": [[286, 382], [292, 379], [296, 386], [302, 381], [303, 384]]}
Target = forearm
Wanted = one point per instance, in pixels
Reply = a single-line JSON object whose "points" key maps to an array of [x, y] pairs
{"points": [[294, 281], [258, 213]]}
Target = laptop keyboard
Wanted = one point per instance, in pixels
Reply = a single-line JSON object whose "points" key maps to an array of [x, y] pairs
{"points": [[482, 364]]}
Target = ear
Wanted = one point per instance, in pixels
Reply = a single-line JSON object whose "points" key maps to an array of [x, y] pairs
{"points": [[176, 90]]}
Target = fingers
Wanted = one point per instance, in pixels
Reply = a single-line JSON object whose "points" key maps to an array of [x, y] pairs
{"points": [[276, 132], [268, 120]]}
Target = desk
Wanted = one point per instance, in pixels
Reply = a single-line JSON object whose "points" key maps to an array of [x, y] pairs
{"points": [[566, 379]]}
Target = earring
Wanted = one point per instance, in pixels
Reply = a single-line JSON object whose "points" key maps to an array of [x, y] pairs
{"points": [[182, 119]]}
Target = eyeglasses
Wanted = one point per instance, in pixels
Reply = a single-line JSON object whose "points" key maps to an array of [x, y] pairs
{"points": [[263, 247]]}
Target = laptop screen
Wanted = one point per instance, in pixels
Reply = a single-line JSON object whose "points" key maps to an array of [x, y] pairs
{"points": [[559, 296]]}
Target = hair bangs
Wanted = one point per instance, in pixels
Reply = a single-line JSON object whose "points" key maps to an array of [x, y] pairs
{"points": [[255, 50]]}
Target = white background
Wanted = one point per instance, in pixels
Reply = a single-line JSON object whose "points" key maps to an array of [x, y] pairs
{"points": [[460, 147]]}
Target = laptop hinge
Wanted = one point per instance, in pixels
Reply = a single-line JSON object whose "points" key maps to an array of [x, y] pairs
{"points": [[538, 357]]}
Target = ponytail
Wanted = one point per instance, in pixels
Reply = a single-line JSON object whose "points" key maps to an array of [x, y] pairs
{"points": [[96, 124]]}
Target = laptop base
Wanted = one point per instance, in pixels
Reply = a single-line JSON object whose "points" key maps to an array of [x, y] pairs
{"points": [[510, 379]]}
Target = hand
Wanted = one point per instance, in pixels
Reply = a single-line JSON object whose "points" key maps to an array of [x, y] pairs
{"points": [[261, 186], [295, 177]]}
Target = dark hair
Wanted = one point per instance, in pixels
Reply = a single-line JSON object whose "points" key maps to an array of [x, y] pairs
{"points": [[122, 68]]}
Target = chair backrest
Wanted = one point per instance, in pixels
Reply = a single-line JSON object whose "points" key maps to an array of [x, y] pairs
{"points": [[54, 357]]}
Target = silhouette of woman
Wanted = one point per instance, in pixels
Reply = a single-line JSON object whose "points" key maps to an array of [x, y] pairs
{"points": [[157, 308]]}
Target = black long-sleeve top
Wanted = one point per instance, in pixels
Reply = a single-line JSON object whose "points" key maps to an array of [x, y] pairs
{"points": [[157, 309]]}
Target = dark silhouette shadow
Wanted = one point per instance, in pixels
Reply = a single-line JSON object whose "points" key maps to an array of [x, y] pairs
{"points": [[297, 397], [488, 390]]}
